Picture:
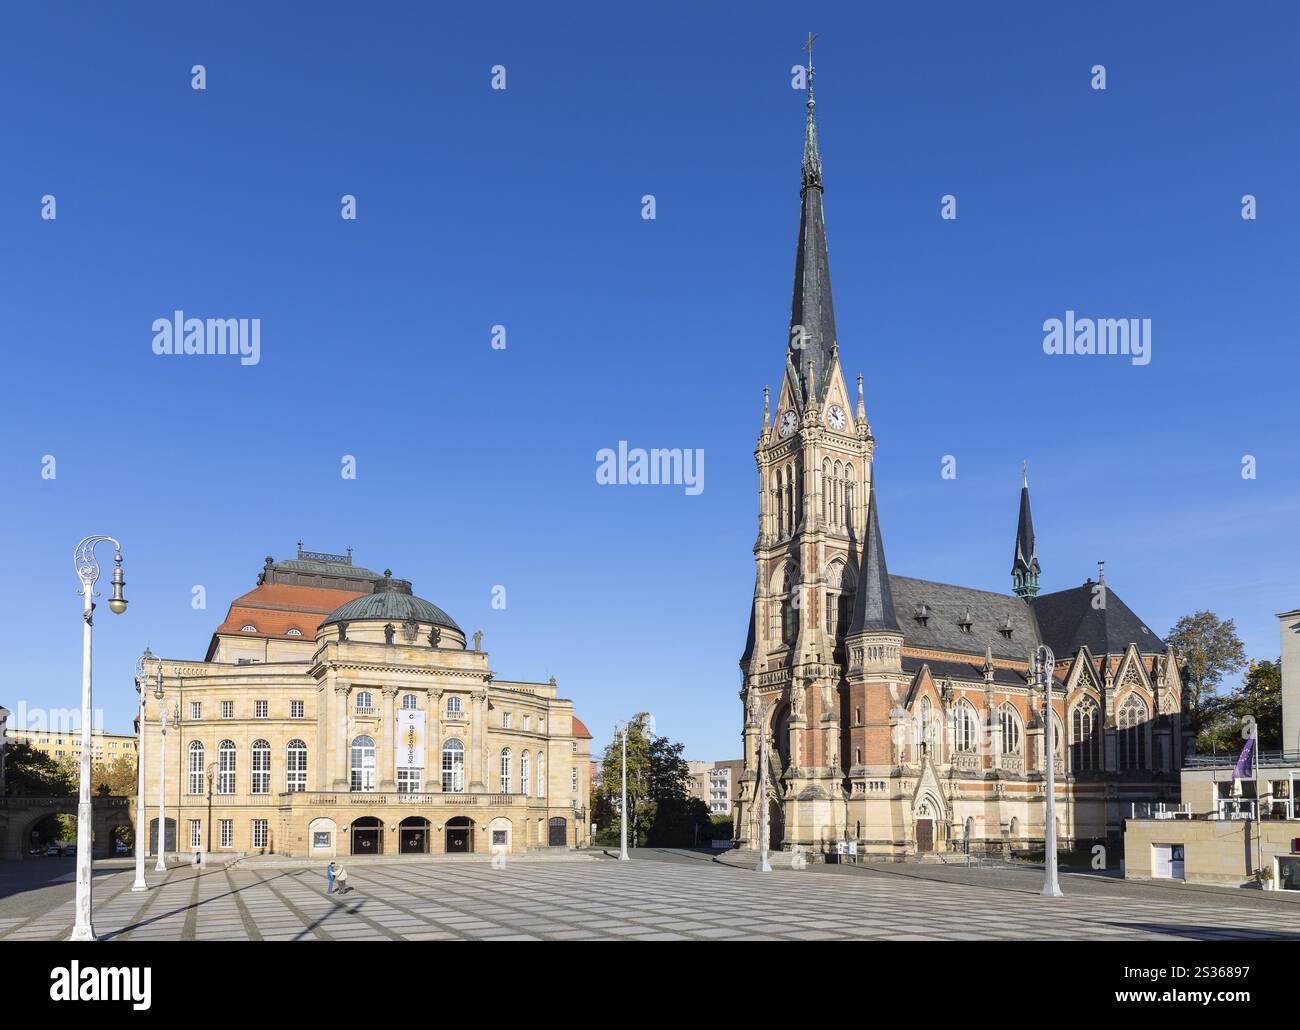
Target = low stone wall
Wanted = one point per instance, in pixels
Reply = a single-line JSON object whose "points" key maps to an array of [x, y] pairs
{"points": [[1215, 851]]}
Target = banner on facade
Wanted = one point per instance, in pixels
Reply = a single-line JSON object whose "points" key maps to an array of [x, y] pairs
{"points": [[410, 739]]}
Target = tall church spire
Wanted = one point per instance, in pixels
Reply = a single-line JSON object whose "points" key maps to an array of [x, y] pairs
{"points": [[1024, 567], [812, 316], [873, 607]]}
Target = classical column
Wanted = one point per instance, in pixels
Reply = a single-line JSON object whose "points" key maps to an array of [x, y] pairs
{"points": [[433, 745], [478, 742], [339, 759], [387, 760]]}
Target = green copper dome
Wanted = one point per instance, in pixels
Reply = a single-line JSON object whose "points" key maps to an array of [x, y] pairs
{"points": [[395, 605]]}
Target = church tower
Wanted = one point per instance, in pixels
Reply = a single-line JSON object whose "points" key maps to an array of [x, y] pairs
{"points": [[1024, 566], [814, 468]]}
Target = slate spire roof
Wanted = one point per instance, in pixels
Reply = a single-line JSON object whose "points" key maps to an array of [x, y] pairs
{"points": [[1024, 565], [873, 605], [812, 316]]}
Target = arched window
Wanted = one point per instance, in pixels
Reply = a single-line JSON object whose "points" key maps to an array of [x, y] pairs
{"points": [[1008, 730], [505, 770], [296, 767], [453, 705], [779, 494], [364, 700], [1085, 737], [848, 496], [840, 585], [826, 487], [363, 764], [250, 628], [453, 767], [1132, 724], [410, 702], [966, 731], [291, 632], [787, 607], [925, 729], [226, 767], [541, 775], [261, 767], [196, 767], [524, 771]]}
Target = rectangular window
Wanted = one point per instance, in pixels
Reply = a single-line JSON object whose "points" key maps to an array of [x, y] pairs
{"points": [[573, 779], [259, 833], [408, 781], [575, 747], [196, 710], [227, 709], [321, 839], [528, 723], [505, 720], [227, 833], [295, 709], [196, 833], [259, 709], [226, 771], [498, 837]]}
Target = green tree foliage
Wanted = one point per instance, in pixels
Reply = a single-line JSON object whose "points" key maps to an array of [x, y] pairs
{"points": [[29, 770], [1257, 702], [1210, 649], [661, 810]]}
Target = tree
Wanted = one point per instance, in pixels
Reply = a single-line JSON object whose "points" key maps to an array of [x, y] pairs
{"points": [[1256, 703], [661, 810], [29, 770], [1210, 649]]}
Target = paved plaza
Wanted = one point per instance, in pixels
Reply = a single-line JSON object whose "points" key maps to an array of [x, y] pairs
{"points": [[657, 896]]}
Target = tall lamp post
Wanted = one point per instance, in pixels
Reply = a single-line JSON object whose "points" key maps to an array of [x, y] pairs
{"points": [[141, 816], [211, 772], [1046, 662], [87, 569], [622, 807], [161, 865], [760, 792]]}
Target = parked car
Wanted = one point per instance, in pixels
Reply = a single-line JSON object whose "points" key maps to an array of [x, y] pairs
{"points": [[69, 850], [53, 851], [120, 847]]}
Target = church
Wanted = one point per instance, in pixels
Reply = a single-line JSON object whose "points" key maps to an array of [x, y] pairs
{"points": [[337, 713], [901, 716]]}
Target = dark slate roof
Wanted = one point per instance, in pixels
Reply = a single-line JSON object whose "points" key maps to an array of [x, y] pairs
{"points": [[873, 603], [1026, 555], [392, 606], [811, 306], [948, 606], [1068, 621], [749, 638], [964, 671]]}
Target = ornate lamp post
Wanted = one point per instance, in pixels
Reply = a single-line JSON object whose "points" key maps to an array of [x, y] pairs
{"points": [[1046, 662], [141, 818], [87, 569], [161, 865], [760, 792]]}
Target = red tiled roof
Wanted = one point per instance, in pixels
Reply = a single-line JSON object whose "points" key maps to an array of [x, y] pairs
{"points": [[276, 608], [580, 728]]}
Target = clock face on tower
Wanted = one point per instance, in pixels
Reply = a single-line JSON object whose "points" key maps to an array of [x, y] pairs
{"points": [[788, 421], [835, 417]]}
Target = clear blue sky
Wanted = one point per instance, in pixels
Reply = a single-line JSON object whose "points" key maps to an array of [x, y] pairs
{"points": [[522, 207]]}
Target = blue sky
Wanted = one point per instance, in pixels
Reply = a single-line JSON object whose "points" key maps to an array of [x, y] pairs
{"points": [[522, 207]]}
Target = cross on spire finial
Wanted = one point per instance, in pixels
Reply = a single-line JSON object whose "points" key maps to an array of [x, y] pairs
{"points": [[808, 45]]}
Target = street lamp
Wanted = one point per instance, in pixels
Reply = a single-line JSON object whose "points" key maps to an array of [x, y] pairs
{"points": [[87, 569], [211, 772], [161, 865], [1046, 663], [141, 817], [760, 792], [622, 808]]}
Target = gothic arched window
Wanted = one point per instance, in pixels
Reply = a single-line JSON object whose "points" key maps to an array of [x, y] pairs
{"points": [[1009, 738], [1131, 722], [925, 729], [966, 728], [1085, 740], [848, 496]]}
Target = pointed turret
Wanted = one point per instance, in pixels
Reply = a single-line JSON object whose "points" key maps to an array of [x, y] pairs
{"points": [[1024, 567], [873, 607], [812, 316]]}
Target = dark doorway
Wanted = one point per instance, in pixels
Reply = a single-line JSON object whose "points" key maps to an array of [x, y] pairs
{"points": [[413, 836], [460, 835], [924, 836], [153, 835], [557, 832], [367, 836], [775, 826]]}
